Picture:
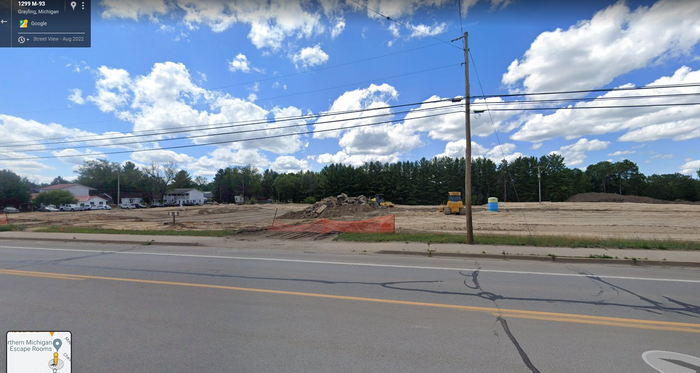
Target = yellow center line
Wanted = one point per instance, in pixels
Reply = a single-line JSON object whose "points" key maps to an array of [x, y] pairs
{"points": [[514, 313], [58, 276]]}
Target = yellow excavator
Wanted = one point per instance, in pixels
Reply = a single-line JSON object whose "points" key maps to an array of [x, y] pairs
{"points": [[378, 201], [454, 204]]}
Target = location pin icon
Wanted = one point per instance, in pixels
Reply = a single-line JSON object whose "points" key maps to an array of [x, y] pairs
{"points": [[57, 343], [73, 4]]}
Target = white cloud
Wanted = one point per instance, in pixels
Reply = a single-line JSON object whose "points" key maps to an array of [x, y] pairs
{"points": [[690, 167], [338, 27], [112, 89], [76, 96], [310, 56], [400, 8], [374, 96], [615, 41], [574, 154], [355, 159], [287, 163], [22, 131], [77, 157], [133, 9], [641, 123], [456, 149], [421, 30], [167, 97], [385, 139], [450, 127], [225, 157], [622, 152], [161, 156], [270, 22], [239, 63], [662, 156]]}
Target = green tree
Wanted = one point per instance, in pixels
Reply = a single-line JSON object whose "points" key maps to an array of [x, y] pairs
{"points": [[54, 197], [182, 179], [13, 190], [99, 174], [59, 180]]}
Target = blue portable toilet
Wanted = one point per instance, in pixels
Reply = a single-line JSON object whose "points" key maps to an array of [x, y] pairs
{"points": [[492, 205]]}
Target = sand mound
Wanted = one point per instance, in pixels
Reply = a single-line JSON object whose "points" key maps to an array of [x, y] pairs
{"points": [[610, 197]]}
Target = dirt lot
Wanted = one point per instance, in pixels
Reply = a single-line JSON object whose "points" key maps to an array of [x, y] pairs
{"points": [[591, 219]]}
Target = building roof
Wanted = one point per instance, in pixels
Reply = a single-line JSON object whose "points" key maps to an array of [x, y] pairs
{"points": [[131, 195], [63, 186], [180, 190], [87, 198]]}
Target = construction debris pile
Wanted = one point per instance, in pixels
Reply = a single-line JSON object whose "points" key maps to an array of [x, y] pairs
{"points": [[333, 207]]}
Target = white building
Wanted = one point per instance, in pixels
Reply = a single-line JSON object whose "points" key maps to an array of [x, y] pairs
{"points": [[184, 196], [76, 190], [131, 201], [91, 201]]}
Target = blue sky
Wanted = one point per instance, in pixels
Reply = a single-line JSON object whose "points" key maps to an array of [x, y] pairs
{"points": [[158, 64]]}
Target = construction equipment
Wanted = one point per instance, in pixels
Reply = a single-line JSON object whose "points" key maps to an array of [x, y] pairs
{"points": [[454, 204], [379, 201]]}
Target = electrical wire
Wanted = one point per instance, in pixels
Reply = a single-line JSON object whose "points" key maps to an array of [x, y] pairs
{"points": [[498, 138], [181, 129], [236, 132], [663, 86], [671, 104], [227, 141], [405, 24]]}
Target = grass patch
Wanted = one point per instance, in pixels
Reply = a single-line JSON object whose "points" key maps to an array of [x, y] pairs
{"points": [[151, 232], [544, 241], [11, 227]]}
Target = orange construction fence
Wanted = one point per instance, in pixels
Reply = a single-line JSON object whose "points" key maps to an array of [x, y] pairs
{"points": [[3, 219], [382, 224]]}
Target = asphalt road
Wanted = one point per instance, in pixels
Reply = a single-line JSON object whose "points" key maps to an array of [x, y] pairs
{"points": [[135, 308]]}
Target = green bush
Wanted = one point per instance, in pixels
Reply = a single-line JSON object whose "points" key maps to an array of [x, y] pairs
{"points": [[54, 197], [310, 200]]}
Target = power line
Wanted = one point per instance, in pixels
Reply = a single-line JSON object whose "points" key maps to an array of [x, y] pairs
{"points": [[430, 69], [237, 132], [181, 129], [229, 141], [664, 86], [498, 138], [405, 24], [328, 67], [250, 82], [599, 107], [591, 100]]}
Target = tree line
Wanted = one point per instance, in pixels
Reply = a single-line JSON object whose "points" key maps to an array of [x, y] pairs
{"points": [[409, 182]]}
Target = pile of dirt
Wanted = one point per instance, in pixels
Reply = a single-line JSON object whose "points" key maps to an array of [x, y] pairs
{"points": [[331, 207], [610, 197]]}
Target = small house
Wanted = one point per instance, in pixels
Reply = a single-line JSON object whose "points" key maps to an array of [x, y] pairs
{"points": [[184, 196], [76, 190]]}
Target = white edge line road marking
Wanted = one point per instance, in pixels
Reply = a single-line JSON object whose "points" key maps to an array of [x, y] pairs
{"points": [[352, 264]]}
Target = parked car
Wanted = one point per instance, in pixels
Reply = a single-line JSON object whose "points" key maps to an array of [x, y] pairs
{"points": [[156, 204], [71, 207], [48, 208], [140, 206], [101, 207], [10, 210], [126, 206]]}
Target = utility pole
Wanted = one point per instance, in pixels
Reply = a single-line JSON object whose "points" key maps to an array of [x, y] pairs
{"points": [[119, 200], [468, 139], [539, 182]]}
